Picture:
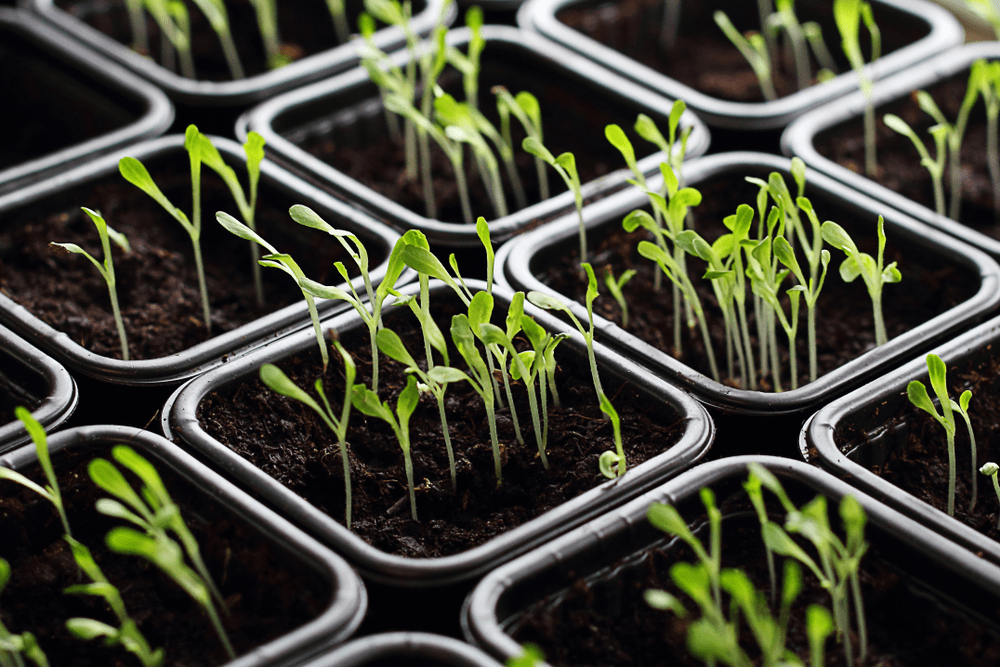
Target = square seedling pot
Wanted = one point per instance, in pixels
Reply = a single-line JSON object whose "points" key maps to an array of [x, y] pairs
{"points": [[546, 259], [104, 27], [289, 597], [708, 72], [309, 129], [65, 103], [35, 381], [877, 441], [166, 247], [830, 140], [581, 597], [195, 415]]}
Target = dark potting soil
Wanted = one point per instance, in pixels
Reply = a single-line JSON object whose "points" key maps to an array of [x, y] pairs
{"points": [[703, 58], [899, 163], [916, 456], [305, 28], [287, 441], [157, 282], [603, 619], [358, 142], [56, 107], [267, 593], [844, 319]]}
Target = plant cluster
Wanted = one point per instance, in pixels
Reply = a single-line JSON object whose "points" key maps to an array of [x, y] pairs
{"points": [[163, 539], [760, 257], [173, 20], [714, 637], [488, 351], [984, 83]]}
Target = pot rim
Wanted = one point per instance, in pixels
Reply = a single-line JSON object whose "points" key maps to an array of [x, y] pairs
{"points": [[390, 645]]}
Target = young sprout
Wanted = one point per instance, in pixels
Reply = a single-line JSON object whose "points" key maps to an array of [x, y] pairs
{"points": [[339, 15], [784, 19], [935, 166], [766, 284], [50, 491], [461, 124], [754, 49], [469, 65], [13, 647], [565, 166], [615, 286], [277, 381], [136, 174], [668, 519], [524, 106], [218, 18], [819, 626], [171, 18], [267, 23], [531, 656], [990, 469], [872, 271], [814, 35], [848, 15], [105, 268], [988, 80], [137, 22], [917, 393], [612, 464]]}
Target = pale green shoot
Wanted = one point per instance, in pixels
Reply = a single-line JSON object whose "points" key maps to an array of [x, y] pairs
{"points": [[136, 174], [988, 11], [848, 15], [462, 126], [766, 285], [468, 65], [389, 78], [277, 381], [810, 290], [784, 19], [819, 626], [137, 22], [13, 647], [754, 49], [105, 268], [218, 18], [531, 656], [990, 469], [524, 106], [367, 402], [615, 286], [171, 17], [339, 15], [668, 519], [814, 35], [862, 264], [755, 493], [988, 79], [612, 464], [565, 166], [646, 128], [51, 490], [267, 23], [480, 380]]}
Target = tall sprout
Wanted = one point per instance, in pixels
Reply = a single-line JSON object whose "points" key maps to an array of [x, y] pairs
{"points": [[849, 14], [218, 18]]}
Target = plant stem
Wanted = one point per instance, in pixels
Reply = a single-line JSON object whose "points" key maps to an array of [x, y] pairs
{"points": [[811, 321], [447, 442], [993, 158], [951, 472], [408, 466], [202, 287], [881, 338], [871, 163]]}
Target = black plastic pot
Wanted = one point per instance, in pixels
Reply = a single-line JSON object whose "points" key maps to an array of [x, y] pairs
{"points": [[525, 259], [801, 139], [84, 104], [405, 648], [339, 594], [921, 574], [34, 381], [859, 437], [181, 423], [347, 110], [72, 18], [66, 193], [930, 30]]}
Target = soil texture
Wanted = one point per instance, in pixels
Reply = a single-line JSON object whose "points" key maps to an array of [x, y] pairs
{"points": [[603, 619], [267, 593], [899, 162], [844, 320], [287, 441], [157, 281], [702, 57]]}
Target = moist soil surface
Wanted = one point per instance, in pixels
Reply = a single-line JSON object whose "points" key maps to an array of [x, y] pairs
{"points": [[267, 593], [157, 281], [844, 320], [305, 28], [703, 58], [899, 162], [288, 442], [603, 619]]}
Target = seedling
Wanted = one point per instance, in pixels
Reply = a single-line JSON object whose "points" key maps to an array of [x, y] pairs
{"points": [[810, 289], [819, 626], [277, 381], [565, 166], [338, 13], [367, 402], [218, 18], [872, 271], [754, 49], [615, 286], [668, 519], [469, 65], [814, 35], [14, 648], [524, 106], [267, 23], [766, 284], [917, 393], [50, 491], [935, 165], [784, 19], [988, 11], [612, 464], [105, 268], [531, 656], [848, 15], [136, 174], [990, 469], [172, 18], [464, 125], [988, 80]]}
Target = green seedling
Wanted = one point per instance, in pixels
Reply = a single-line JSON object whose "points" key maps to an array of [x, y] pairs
{"points": [[524, 106], [668, 519], [565, 166], [367, 402], [531, 656], [674, 146], [338, 12], [819, 626], [267, 23], [872, 271], [615, 286], [785, 19], [754, 49], [105, 268], [137, 23], [463, 125], [988, 11], [990, 469], [766, 285], [136, 174], [612, 464], [988, 80], [540, 360], [218, 18], [469, 65], [246, 203], [172, 19], [814, 35], [278, 382], [934, 166], [810, 289], [849, 15], [917, 393], [15, 648], [49, 492]]}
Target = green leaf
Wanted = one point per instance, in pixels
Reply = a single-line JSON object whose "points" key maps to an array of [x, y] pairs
{"points": [[237, 228], [480, 310], [849, 270], [445, 374], [836, 236], [87, 628], [664, 601], [390, 344], [276, 380]]}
